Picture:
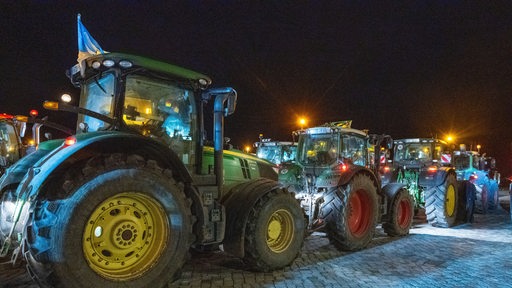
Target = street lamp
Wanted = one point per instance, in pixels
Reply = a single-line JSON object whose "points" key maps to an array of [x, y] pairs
{"points": [[247, 149], [302, 123], [478, 146]]}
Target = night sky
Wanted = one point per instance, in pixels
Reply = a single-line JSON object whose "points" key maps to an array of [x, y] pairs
{"points": [[420, 69]]}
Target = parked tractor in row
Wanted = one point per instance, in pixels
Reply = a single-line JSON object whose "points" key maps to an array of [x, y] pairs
{"points": [[12, 129], [424, 165], [482, 173], [342, 193], [122, 201]]}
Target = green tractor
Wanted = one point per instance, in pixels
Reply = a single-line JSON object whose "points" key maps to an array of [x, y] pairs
{"points": [[283, 154], [343, 194], [424, 165], [12, 129], [121, 202]]}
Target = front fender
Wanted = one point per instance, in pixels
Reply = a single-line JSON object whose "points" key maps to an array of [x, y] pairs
{"points": [[14, 175], [239, 202], [97, 143]]}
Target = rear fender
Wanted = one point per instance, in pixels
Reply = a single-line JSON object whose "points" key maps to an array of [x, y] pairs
{"points": [[349, 174], [238, 203], [97, 143], [428, 179]]}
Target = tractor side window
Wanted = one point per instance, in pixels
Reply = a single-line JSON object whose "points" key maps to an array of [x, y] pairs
{"points": [[353, 148], [8, 143], [98, 96], [289, 153], [161, 109], [154, 107], [476, 162]]}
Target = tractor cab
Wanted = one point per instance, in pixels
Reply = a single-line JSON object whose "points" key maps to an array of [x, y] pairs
{"points": [[331, 145], [419, 153]]}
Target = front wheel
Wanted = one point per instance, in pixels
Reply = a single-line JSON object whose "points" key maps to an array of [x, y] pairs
{"points": [[275, 232], [351, 213], [441, 203], [129, 227], [400, 214]]}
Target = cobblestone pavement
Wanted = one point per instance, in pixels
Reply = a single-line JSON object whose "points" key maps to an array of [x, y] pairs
{"points": [[477, 254]]}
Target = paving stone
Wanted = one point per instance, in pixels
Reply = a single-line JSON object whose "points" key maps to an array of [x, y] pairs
{"points": [[477, 254]]}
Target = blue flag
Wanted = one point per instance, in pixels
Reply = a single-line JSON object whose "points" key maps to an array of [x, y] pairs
{"points": [[87, 46]]}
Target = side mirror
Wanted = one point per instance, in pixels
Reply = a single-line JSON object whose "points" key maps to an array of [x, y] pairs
{"points": [[232, 97]]}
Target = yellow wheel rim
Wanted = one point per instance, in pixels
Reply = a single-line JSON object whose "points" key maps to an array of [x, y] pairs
{"points": [[450, 200], [280, 231], [125, 235]]}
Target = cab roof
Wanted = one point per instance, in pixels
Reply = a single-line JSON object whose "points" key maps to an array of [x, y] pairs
{"points": [[142, 62]]}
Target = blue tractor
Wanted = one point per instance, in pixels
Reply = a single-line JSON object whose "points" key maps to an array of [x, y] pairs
{"points": [[481, 172]]}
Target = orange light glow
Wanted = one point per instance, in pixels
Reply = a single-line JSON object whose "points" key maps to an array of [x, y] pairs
{"points": [[71, 140], [432, 169]]}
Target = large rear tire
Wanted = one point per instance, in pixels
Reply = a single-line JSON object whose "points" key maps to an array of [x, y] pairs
{"points": [[275, 232], [493, 198], [466, 207], [351, 213], [401, 212], [123, 226], [481, 199], [441, 203]]}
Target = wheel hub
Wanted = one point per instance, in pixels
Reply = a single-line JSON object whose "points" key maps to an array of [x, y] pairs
{"points": [[450, 200], [125, 235], [280, 230]]}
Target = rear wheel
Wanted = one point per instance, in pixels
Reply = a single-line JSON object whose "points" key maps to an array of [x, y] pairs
{"points": [[351, 213], [275, 232], [493, 195], [400, 214], [481, 199], [127, 227], [466, 207], [441, 203]]}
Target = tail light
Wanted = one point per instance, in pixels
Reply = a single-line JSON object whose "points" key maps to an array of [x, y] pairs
{"points": [[432, 169], [71, 140]]}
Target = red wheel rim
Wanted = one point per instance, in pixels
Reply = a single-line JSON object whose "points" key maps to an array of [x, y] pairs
{"points": [[360, 213], [404, 213]]}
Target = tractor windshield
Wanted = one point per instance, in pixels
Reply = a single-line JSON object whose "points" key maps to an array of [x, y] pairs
{"points": [[278, 153], [318, 149], [462, 162], [413, 152], [98, 96]]}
